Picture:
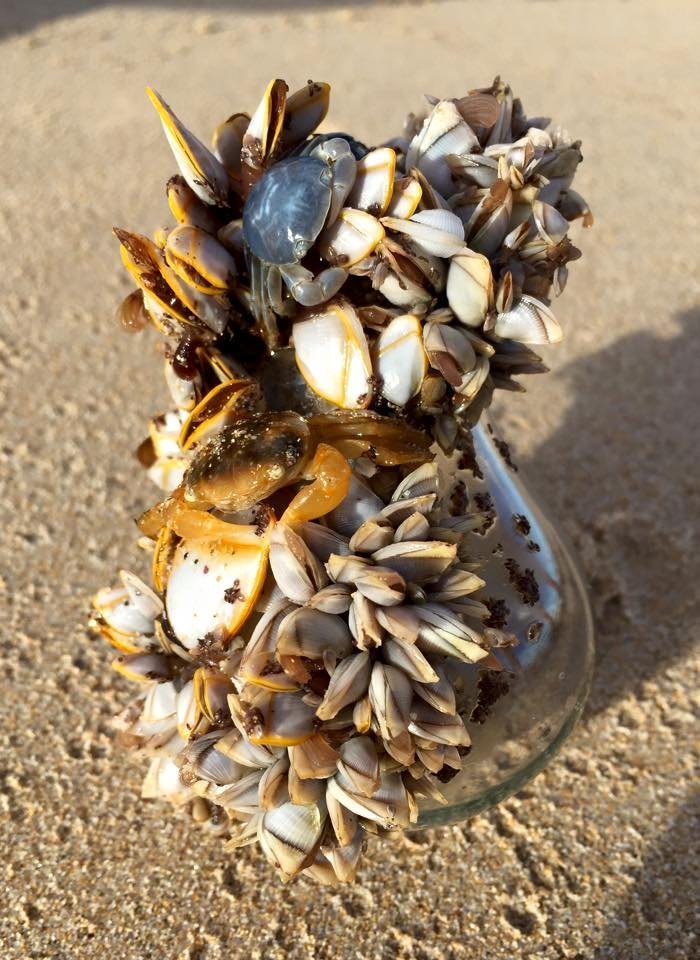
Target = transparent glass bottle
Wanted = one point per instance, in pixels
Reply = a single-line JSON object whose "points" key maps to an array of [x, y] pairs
{"points": [[547, 675]]}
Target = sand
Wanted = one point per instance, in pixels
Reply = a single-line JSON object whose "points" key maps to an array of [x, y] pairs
{"points": [[598, 857]]}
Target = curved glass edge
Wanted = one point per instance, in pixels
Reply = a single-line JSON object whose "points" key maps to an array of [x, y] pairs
{"points": [[460, 811]]}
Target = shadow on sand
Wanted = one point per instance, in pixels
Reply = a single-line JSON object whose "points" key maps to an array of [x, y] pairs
{"points": [[639, 567], [21, 16], [640, 572], [662, 906]]}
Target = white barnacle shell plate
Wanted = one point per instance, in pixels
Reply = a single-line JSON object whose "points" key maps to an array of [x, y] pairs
{"points": [[203, 172], [201, 574], [374, 182], [119, 612], [163, 780], [528, 321], [167, 473], [352, 237], [444, 132], [405, 198], [401, 360], [289, 834], [333, 357], [437, 232], [359, 505], [469, 287]]}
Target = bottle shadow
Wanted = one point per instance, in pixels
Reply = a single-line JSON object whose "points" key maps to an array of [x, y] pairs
{"points": [[21, 16], [660, 910], [621, 473]]}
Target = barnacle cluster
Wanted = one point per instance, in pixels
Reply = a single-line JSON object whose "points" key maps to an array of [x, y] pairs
{"points": [[333, 315]]}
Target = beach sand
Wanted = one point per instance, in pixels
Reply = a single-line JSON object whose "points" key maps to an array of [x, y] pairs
{"points": [[598, 857]]}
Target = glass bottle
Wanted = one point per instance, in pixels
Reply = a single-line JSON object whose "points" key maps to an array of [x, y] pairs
{"points": [[519, 717]]}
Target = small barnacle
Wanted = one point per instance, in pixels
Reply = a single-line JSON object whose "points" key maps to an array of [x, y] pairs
{"points": [[498, 613], [504, 450], [491, 687], [484, 503], [131, 313], [521, 524], [253, 722], [233, 594], [524, 582], [459, 498]]}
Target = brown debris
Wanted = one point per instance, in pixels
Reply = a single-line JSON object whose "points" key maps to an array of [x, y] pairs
{"points": [[504, 451], [524, 582], [521, 524], [232, 594], [498, 613], [492, 685]]}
